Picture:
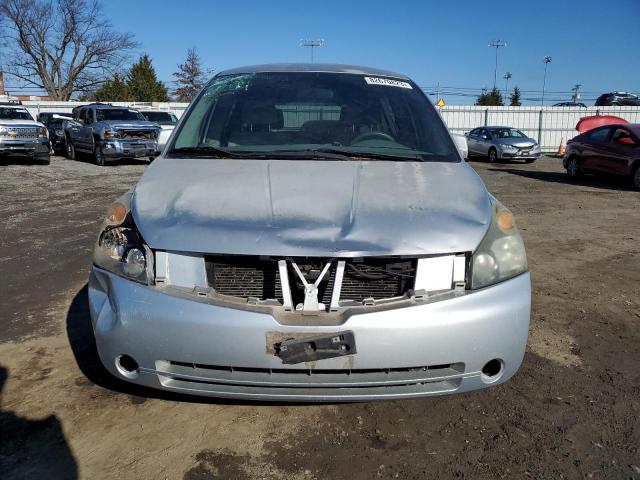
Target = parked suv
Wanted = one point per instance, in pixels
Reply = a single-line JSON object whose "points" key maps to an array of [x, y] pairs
{"points": [[110, 133], [21, 135], [618, 98], [310, 233]]}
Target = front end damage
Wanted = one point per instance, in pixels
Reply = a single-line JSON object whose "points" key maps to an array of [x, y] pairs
{"points": [[378, 297]]}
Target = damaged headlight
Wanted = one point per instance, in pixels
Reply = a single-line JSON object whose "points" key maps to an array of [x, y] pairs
{"points": [[110, 134], [120, 248], [501, 253]]}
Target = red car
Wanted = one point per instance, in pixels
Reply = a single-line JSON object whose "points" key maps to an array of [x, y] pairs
{"points": [[612, 149]]}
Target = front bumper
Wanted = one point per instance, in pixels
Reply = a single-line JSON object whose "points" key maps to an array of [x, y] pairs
{"points": [[532, 155], [186, 344], [32, 148], [115, 149]]}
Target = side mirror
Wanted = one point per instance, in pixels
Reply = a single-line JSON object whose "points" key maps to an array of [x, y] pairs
{"points": [[626, 141]]}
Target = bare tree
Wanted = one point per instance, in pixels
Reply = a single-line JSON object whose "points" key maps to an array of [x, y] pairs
{"points": [[61, 46], [190, 77]]}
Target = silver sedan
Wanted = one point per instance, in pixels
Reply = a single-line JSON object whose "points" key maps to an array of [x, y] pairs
{"points": [[502, 143]]}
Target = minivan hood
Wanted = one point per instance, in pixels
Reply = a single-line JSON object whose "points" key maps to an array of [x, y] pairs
{"points": [[311, 208]]}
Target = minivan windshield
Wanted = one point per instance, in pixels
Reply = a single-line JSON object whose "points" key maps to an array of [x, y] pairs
{"points": [[118, 114], [313, 115]]}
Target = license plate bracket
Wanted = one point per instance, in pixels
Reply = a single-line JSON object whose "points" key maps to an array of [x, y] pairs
{"points": [[309, 349]]}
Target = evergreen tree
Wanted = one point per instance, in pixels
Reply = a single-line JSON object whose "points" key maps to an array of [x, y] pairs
{"points": [[113, 90], [515, 98], [189, 78], [143, 84], [493, 98]]}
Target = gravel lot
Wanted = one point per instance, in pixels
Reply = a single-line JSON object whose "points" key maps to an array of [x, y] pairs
{"points": [[571, 412]]}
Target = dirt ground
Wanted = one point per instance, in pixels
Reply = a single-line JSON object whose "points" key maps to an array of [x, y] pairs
{"points": [[571, 411]]}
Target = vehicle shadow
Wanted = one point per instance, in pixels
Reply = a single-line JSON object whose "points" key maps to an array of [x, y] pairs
{"points": [[17, 160], [83, 344], [33, 448], [606, 182]]}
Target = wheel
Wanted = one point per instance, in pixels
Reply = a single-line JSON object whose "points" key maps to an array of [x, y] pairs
{"points": [[636, 177], [574, 170], [71, 150], [44, 160], [493, 155], [98, 156]]}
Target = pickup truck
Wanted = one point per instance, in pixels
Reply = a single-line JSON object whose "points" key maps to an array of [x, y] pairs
{"points": [[21, 135], [109, 132]]}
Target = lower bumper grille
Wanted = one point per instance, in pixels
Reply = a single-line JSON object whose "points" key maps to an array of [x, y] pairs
{"points": [[448, 376]]}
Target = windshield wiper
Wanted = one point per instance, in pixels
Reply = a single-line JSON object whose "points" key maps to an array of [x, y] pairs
{"points": [[204, 151], [371, 155]]}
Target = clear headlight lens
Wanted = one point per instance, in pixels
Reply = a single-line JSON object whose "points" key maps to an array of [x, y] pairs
{"points": [[508, 148], [501, 255], [120, 248], [42, 132]]}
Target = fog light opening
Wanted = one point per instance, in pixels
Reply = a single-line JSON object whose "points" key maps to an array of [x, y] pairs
{"points": [[127, 366], [492, 370]]}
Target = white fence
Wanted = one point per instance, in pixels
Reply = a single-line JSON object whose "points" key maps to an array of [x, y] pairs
{"points": [[548, 125], [37, 106]]}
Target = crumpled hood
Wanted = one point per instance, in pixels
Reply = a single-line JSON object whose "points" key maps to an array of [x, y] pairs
{"points": [[311, 208], [130, 124]]}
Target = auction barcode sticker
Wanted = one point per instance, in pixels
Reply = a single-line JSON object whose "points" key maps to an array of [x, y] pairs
{"points": [[386, 81]]}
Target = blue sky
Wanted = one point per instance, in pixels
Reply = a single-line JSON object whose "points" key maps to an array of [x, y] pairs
{"points": [[591, 42]]}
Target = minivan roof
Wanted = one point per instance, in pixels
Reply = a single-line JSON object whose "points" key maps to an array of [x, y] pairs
{"points": [[313, 68]]}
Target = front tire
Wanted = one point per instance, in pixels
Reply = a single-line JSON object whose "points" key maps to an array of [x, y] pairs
{"points": [[574, 169], [98, 156], [492, 155], [635, 177], [71, 150]]}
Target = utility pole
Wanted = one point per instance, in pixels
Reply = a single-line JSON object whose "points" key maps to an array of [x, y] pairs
{"points": [[547, 61], [576, 93], [496, 44], [506, 77], [312, 43]]}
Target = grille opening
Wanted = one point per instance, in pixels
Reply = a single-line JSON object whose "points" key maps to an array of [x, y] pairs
{"points": [[317, 371], [259, 277]]}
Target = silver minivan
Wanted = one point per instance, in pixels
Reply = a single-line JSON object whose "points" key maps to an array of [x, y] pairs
{"points": [[310, 233]]}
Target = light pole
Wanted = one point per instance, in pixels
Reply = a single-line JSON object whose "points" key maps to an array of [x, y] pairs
{"points": [[506, 77], [317, 42], [547, 61], [496, 44], [576, 93]]}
